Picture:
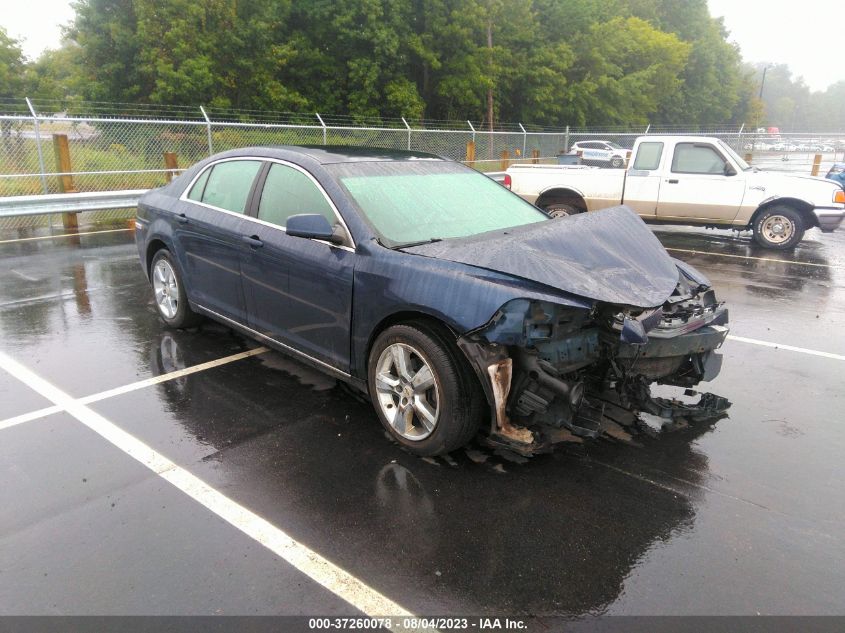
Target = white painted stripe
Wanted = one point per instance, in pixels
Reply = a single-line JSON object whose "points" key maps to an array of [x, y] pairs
{"points": [[790, 348], [147, 382], [26, 417], [179, 373], [340, 582], [55, 237], [761, 259]]}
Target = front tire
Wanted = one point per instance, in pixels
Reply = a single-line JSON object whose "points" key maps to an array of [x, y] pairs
{"points": [[170, 298], [422, 390], [779, 227]]}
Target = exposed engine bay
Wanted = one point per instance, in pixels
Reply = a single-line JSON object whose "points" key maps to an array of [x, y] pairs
{"points": [[555, 373]]}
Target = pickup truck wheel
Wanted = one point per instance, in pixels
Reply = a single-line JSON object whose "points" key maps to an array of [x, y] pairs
{"points": [[616, 162], [421, 391], [779, 227], [561, 210]]}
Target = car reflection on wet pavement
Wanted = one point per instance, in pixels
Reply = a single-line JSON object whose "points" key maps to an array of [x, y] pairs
{"points": [[742, 516]]}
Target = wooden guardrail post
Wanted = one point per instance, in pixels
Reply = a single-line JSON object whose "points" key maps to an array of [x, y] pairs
{"points": [[170, 163], [471, 153], [505, 162], [62, 152], [748, 157], [535, 156], [627, 158], [817, 163]]}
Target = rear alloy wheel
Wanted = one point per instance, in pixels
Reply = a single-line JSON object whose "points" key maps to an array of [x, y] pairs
{"points": [[779, 227], [617, 162], [421, 390], [169, 292], [561, 210]]}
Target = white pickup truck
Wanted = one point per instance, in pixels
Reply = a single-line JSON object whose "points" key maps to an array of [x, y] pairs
{"points": [[690, 180]]}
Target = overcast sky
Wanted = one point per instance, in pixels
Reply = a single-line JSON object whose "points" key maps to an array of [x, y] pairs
{"points": [[805, 34]]}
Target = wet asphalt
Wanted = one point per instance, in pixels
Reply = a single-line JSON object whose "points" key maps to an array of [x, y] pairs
{"points": [[739, 517]]}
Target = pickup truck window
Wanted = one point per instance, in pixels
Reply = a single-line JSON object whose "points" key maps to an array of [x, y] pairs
{"points": [[695, 158], [648, 156]]}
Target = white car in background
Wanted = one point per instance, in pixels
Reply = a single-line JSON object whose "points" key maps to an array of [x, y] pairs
{"points": [[600, 153]]}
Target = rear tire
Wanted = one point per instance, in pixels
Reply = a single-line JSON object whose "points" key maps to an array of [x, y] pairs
{"points": [[617, 163], [779, 227], [444, 413], [169, 295], [561, 210]]}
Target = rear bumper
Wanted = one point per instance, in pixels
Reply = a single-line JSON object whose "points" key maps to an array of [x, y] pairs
{"points": [[829, 217]]}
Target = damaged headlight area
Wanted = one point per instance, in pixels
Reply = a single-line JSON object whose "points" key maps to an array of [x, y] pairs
{"points": [[555, 373]]}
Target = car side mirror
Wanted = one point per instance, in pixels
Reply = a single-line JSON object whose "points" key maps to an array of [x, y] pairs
{"points": [[729, 170], [312, 226]]}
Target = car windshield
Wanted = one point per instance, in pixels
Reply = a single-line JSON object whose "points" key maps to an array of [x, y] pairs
{"points": [[739, 161], [410, 202]]}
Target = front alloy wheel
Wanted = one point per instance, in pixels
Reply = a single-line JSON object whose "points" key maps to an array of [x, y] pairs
{"points": [[422, 388], [407, 391]]}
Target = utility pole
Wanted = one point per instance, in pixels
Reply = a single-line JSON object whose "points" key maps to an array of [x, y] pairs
{"points": [[490, 87]]}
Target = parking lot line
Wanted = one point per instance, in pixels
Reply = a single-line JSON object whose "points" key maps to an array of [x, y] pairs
{"points": [[340, 582], [147, 382], [791, 348], [761, 259], [56, 237]]}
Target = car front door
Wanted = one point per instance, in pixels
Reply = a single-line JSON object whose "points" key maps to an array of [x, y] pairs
{"points": [[298, 291], [208, 229], [700, 184], [642, 181]]}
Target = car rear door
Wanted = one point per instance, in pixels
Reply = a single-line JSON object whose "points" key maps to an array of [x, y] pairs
{"points": [[696, 185], [298, 291], [208, 231]]}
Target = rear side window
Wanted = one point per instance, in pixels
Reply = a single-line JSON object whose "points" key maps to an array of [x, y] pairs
{"points": [[648, 156], [229, 183], [288, 191], [199, 186], [692, 158]]}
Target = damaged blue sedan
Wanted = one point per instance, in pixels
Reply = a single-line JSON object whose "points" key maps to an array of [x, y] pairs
{"points": [[458, 308]]}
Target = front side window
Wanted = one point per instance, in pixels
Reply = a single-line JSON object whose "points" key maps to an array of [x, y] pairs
{"points": [[648, 156], [693, 158], [288, 191], [414, 201], [229, 183]]}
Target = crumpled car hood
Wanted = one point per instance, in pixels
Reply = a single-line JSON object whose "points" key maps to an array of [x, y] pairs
{"points": [[609, 256]]}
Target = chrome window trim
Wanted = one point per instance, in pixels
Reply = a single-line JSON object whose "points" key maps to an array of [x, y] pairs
{"points": [[184, 198], [285, 346]]}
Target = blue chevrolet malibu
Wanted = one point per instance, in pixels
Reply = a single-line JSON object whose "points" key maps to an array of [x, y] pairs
{"points": [[455, 306]]}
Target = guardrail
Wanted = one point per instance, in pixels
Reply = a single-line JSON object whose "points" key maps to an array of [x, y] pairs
{"points": [[69, 202]]}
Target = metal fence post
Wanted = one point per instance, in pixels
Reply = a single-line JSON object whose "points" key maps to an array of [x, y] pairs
{"points": [[38, 144], [473, 130], [409, 132], [207, 130], [524, 139], [320, 119], [739, 139], [566, 141]]}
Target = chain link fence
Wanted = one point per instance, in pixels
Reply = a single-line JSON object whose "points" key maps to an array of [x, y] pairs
{"points": [[111, 146]]}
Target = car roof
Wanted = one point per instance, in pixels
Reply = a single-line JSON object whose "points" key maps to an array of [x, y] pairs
{"points": [[329, 154]]}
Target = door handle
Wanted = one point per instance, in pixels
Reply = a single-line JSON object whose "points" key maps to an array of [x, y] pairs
{"points": [[252, 240], [182, 218], [672, 181]]}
